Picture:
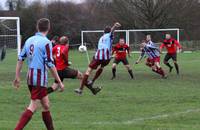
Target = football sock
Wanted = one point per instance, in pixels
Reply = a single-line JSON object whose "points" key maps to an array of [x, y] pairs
{"points": [[131, 73], [161, 71], [114, 72], [149, 64], [50, 90], [177, 68], [25, 118], [167, 64], [84, 81], [46, 116], [98, 73]]}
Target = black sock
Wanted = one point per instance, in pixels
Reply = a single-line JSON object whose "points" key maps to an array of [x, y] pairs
{"points": [[114, 72], [50, 90], [131, 73], [167, 64], [177, 68]]}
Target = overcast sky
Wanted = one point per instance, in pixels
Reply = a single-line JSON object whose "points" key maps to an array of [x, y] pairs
{"points": [[2, 2]]}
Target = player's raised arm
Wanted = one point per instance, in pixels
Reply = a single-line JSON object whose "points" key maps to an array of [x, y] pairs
{"points": [[116, 25]]}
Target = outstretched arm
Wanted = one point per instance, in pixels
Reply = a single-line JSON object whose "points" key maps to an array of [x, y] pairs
{"points": [[161, 47], [141, 56]]}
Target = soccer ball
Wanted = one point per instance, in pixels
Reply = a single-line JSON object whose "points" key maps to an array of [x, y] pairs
{"points": [[82, 48]]}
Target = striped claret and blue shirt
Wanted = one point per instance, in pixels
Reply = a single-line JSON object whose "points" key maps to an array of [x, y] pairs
{"points": [[151, 50], [38, 51], [104, 50]]}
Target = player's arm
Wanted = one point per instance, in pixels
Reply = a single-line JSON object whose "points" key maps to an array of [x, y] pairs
{"points": [[19, 65], [178, 45], [49, 63], [116, 25], [16, 82], [128, 51], [65, 53], [140, 57], [161, 47], [114, 49]]}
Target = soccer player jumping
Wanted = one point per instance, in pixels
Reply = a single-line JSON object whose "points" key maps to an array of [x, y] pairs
{"points": [[121, 50], [102, 57], [38, 51], [153, 60], [171, 45]]}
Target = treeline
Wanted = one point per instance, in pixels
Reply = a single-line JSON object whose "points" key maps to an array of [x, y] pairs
{"points": [[69, 18]]}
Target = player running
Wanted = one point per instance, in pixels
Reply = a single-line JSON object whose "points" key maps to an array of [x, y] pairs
{"points": [[121, 49], [171, 45], [102, 57], [60, 54], [38, 51], [153, 60]]}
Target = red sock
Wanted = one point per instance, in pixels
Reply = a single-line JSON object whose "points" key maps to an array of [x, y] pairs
{"points": [[25, 118], [84, 81], [46, 116], [161, 71], [156, 71], [98, 73]]}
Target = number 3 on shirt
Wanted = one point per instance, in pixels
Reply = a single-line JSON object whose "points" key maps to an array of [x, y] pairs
{"points": [[58, 51]]}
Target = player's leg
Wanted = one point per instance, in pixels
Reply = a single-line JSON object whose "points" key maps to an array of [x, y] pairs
{"points": [[46, 115], [55, 86], [166, 59], [84, 81], [159, 70], [149, 62], [174, 58], [114, 65], [100, 69], [27, 115], [128, 67]]}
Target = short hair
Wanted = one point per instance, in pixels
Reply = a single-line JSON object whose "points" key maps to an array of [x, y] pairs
{"points": [[107, 29], [64, 40], [43, 25]]}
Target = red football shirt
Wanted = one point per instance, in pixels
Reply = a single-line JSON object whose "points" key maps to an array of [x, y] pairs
{"points": [[121, 51], [171, 45], [60, 53]]}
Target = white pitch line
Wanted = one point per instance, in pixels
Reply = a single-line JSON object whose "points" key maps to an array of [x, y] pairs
{"points": [[133, 121], [128, 122]]}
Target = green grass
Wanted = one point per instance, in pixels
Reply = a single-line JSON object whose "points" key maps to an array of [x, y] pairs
{"points": [[148, 103]]}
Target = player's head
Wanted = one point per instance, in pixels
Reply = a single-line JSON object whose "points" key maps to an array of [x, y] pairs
{"points": [[167, 36], [121, 41], [43, 25], [107, 29], [148, 37], [64, 40]]}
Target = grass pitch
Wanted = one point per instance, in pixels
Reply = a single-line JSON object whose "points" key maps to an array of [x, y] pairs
{"points": [[147, 103]]}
